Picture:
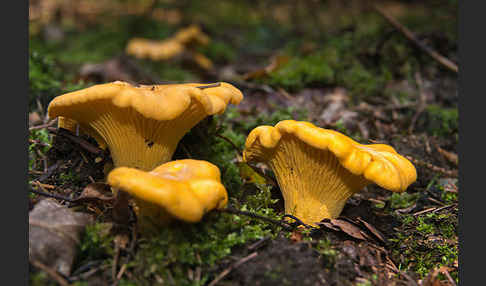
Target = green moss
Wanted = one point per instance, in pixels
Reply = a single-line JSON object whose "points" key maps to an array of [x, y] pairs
{"points": [[219, 51], [324, 247], [96, 243], [41, 142], [302, 71], [187, 246], [44, 77], [40, 278], [402, 200], [442, 121], [426, 242]]}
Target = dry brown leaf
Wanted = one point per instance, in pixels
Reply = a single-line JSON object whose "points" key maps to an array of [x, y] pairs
{"points": [[373, 230], [346, 227], [54, 232], [96, 191], [296, 236], [276, 62]]}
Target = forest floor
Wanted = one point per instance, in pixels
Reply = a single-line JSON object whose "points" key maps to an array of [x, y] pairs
{"points": [[344, 67]]}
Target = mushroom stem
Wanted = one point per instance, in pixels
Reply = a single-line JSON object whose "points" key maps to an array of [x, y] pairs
{"points": [[317, 191]]}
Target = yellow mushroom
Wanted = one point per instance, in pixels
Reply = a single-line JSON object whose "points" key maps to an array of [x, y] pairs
{"points": [[165, 49], [181, 189], [319, 169], [153, 49], [142, 125]]}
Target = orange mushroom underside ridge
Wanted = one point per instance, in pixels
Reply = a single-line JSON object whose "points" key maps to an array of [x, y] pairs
{"points": [[319, 169], [182, 189], [142, 125]]}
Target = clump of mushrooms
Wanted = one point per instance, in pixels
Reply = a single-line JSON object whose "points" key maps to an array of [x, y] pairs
{"points": [[141, 126], [319, 169], [182, 189]]}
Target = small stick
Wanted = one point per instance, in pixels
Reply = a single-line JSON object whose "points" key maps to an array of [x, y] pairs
{"points": [[81, 142], [37, 142], [48, 124], [49, 172], [253, 215], [451, 173], [54, 275], [230, 142], [449, 277], [411, 36], [122, 270], [297, 220], [51, 195], [115, 263], [209, 85], [233, 266], [422, 102], [424, 211]]}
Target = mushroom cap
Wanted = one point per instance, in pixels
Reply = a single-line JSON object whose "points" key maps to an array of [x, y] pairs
{"points": [[186, 189], [140, 123], [156, 50], [159, 102], [378, 163]]}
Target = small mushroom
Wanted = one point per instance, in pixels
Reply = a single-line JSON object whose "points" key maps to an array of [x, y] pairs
{"points": [[152, 49], [165, 49], [319, 169], [142, 125], [182, 189]]}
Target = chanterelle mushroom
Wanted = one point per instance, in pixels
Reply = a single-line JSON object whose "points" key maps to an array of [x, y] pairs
{"points": [[182, 189], [319, 169], [142, 125], [168, 48]]}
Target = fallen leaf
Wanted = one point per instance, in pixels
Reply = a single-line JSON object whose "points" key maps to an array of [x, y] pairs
{"points": [[276, 62], [249, 175], [346, 227], [373, 230], [96, 191], [34, 118], [54, 232], [296, 236]]}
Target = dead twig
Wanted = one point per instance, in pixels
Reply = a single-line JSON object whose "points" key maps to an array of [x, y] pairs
{"points": [[51, 272], [233, 266], [237, 149], [422, 102], [232, 210], [434, 210], [209, 85], [49, 172], [49, 195], [48, 124], [451, 173], [411, 36], [298, 221], [81, 142]]}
